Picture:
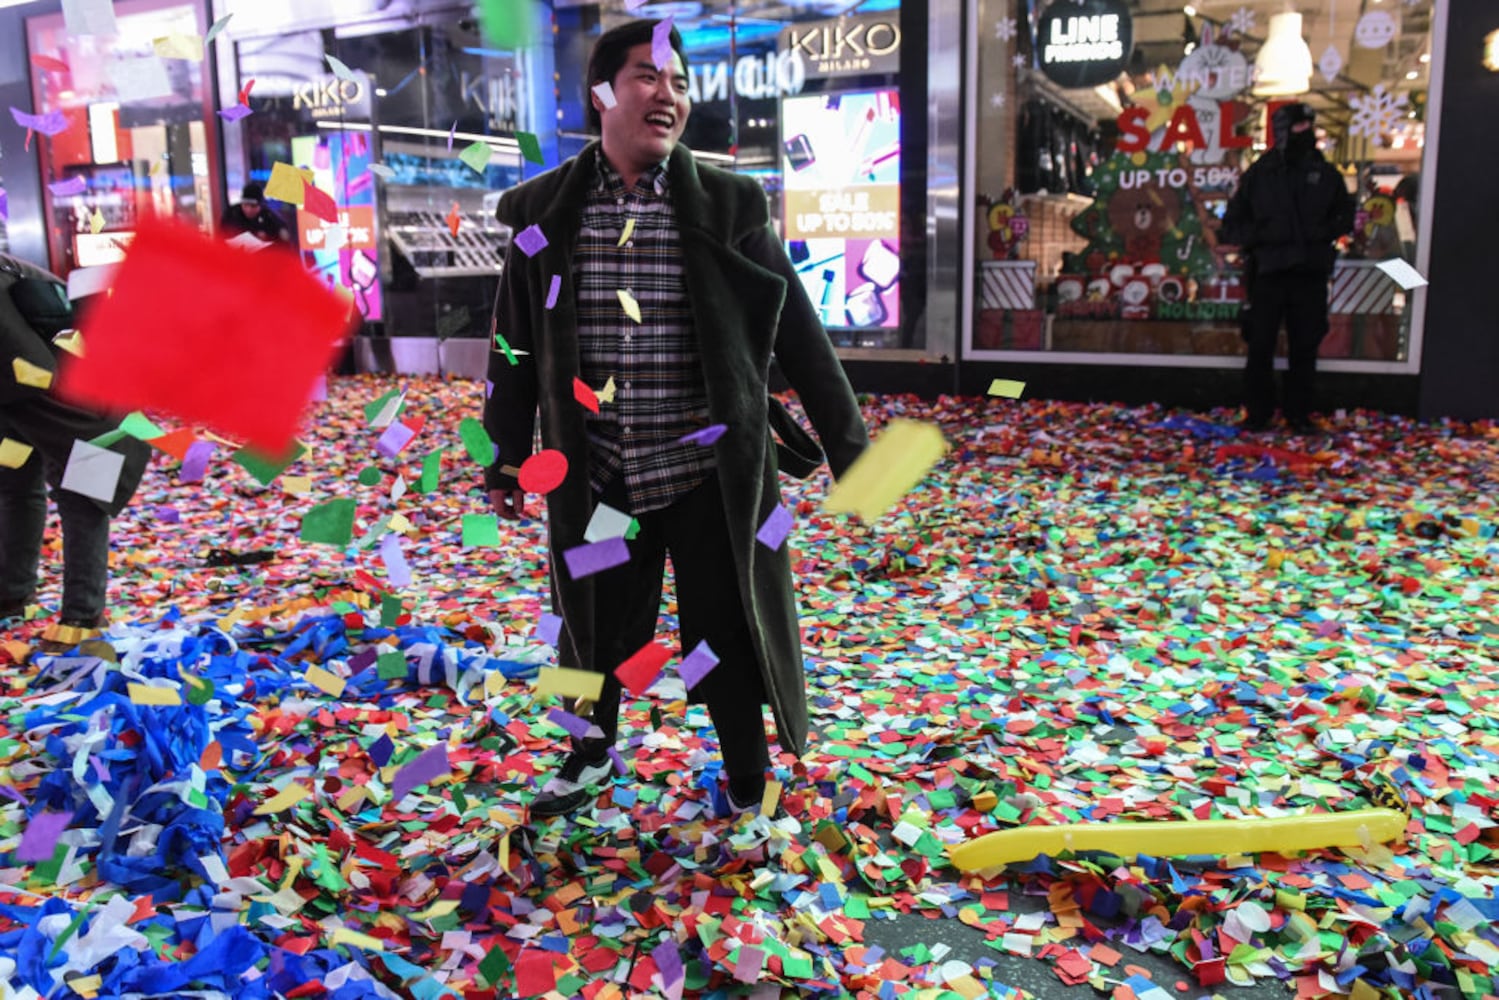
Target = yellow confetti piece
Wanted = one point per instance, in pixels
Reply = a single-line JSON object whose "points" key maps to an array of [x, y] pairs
{"points": [[296, 485], [13, 453], [441, 908], [888, 470], [399, 523], [629, 231], [283, 800], [287, 184], [189, 47], [72, 342], [40, 378], [96, 222], [86, 986], [505, 852], [325, 681], [631, 307], [350, 799], [570, 683], [142, 694], [345, 936], [606, 394], [770, 798], [1007, 388]]}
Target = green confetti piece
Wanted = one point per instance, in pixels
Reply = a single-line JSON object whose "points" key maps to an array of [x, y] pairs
{"points": [[494, 966], [264, 469], [476, 441], [530, 147], [370, 476], [507, 24], [391, 666], [372, 409], [391, 610], [477, 155], [504, 345], [431, 471], [330, 523], [481, 531]]}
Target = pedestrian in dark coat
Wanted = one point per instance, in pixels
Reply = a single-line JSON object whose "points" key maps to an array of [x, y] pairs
{"points": [[1290, 206], [742, 307], [34, 308]]}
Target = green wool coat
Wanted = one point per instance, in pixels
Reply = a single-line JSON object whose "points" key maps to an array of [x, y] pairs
{"points": [[748, 306]]}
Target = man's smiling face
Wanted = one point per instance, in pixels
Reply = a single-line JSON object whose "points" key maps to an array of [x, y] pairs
{"points": [[650, 111]]}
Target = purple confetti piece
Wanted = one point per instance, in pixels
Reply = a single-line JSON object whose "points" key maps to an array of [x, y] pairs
{"points": [[704, 437], [620, 766], [432, 764], [586, 560], [363, 660], [531, 240], [234, 113], [381, 749], [69, 187], [195, 464], [775, 529], [48, 124], [569, 723], [396, 437], [40, 838], [696, 665], [554, 290], [488, 388], [452, 132], [12, 793], [4, 206], [668, 961], [168, 515], [661, 50], [396, 567], [549, 629], [100, 768]]}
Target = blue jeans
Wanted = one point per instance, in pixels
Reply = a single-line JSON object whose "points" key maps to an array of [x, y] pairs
{"points": [[85, 542]]}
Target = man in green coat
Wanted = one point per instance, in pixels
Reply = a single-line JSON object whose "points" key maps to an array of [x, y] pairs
{"points": [[663, 277]]}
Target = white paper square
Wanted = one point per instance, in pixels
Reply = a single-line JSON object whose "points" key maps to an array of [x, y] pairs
{"points": [[606, 523], [89, 17], [139, 79], [606, 94], [93, 472], [1402, 274]]}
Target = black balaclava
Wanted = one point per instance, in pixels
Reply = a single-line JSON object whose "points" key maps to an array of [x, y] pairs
{"points": [[1295, 144]]}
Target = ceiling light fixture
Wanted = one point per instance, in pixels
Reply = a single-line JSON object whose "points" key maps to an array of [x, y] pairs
{"points": [[1283, 66], [1189, 10], [1412, 74]]}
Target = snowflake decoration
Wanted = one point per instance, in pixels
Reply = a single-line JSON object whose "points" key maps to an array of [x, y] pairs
{"points": [[997, 100], [1019, 61], [1004, 29], [1375, 113], [1242, 21]]}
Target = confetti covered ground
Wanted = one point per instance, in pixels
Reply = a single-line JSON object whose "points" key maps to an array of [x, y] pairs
{"points": [[1086, 612]]}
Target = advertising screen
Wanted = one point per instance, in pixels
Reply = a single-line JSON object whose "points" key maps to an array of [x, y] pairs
{"points": [[840, 162], [340, 163]]}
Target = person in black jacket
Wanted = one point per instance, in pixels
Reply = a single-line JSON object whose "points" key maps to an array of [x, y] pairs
{"points": [[1290, 206], [38, 432], [253, 215]]}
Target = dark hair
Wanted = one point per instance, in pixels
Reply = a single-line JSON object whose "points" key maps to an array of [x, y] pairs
{"points": [[253, 191], [613, 48]]}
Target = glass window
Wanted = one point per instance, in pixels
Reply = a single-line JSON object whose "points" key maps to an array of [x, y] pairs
{"points": [[1099, 223], [140, 137]]}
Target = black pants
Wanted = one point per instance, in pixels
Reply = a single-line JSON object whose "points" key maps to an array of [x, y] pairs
{"points": [[1299, 299], [85, 542], [628, 599]]}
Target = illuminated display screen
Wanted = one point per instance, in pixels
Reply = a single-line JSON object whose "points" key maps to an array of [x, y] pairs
{"points": [[840, 159]]}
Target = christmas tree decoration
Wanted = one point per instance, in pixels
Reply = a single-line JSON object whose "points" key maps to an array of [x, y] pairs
{"points": [[1375, 30], [1330, 64]]}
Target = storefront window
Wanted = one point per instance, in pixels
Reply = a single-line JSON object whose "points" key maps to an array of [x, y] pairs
{"points": [[140, 139], [1099, 206]]}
